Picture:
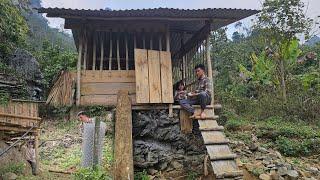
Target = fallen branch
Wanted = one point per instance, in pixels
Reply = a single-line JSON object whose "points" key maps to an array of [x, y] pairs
{"points": [[62, 172]]}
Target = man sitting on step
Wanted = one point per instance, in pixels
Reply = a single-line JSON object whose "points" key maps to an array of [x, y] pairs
{"points": [[201, 96]]}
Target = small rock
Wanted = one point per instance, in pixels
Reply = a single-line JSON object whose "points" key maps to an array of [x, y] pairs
{"points": [[274, 175], [264, 177], [163, 165], [271, 166], [313, 170], [293, 174], [152, 171], [253, 146], [9, 176], [263, 150], [176, 165], [282, 171]]}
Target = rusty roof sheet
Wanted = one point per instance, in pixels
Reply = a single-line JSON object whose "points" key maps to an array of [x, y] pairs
{"points": [[221, 13]]}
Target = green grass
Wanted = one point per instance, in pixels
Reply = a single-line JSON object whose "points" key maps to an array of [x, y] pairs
{"points": [[16, 168], [141, 176], [290, 138]]}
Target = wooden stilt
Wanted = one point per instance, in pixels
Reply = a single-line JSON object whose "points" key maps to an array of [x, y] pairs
{"points": [[85, 51], [151, 40], [160, 42]]}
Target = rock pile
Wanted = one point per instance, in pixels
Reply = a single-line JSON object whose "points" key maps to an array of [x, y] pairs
{"points": [[268, 164]]}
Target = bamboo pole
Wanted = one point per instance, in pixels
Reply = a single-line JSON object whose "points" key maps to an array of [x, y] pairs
{"points": [[209, 64], [94, 58], [118, 51], [110, 53], [79, 70], [101, 52]]}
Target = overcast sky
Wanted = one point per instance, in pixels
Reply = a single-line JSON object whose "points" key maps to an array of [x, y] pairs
{"points": [[313, 6]]}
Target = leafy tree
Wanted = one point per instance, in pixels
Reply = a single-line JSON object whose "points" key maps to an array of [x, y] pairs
{"points": [[54, 59], [283, 20], [13, 27]]}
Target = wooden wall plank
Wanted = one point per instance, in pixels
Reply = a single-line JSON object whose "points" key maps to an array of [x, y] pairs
{"points": [[107, 100], [141, 74], [154, 76], [108, 76], [106, 88], [166, 77]]}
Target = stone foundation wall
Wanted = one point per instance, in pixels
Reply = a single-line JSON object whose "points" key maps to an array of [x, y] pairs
{"points": [[159, 144]]}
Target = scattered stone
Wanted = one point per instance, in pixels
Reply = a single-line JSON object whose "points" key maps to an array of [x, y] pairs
{"points": [[264, 177], [313, 170], [292, 174], [152, 171], [263, 150], [282, 171], [176, 165]]}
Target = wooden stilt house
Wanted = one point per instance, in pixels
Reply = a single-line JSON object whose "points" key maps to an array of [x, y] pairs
{"points": [[145, 52]]}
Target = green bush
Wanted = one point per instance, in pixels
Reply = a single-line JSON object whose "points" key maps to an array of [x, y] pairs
{"points": [[91, 174], [16, 168]]}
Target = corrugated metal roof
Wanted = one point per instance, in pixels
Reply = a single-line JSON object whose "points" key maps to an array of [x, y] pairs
{"points": [[221, 13]]}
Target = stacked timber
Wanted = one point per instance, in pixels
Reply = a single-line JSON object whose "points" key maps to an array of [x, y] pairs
{"points": [[62, 92]]}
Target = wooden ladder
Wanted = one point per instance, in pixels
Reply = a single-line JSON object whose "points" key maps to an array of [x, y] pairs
{"points": [[221, 157]]}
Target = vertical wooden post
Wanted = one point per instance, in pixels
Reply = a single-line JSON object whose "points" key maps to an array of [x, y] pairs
{"points": [[143, 40], [127, 51], [209, 64], [168, 50], [123, 152], [118, 51], [96, 142], [110, 54], [79, 69], [85, 51], [36, 148], [160, 42], [167, 38], [94, 58], [102, 52], [151, 40], [134, 40]]}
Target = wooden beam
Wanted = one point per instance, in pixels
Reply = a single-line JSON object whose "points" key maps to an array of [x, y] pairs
{"points": [[160, 42], [79, 70], [151, 40], [110, 52], [123, 152], [209, 65], [193, 41]]}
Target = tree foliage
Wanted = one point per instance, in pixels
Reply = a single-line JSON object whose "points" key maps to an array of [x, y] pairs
{"points": [[13, 27]]}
